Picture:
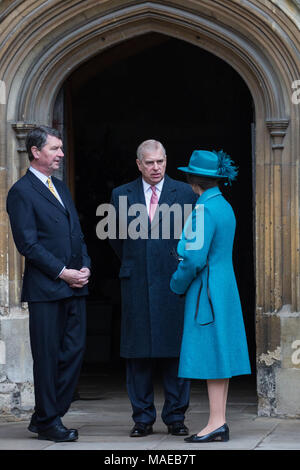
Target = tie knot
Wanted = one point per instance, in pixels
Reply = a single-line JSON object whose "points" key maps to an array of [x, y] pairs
{"points": [[153, 189]]}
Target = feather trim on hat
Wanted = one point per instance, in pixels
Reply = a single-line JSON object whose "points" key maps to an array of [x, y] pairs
{"points": [[226, 166]]}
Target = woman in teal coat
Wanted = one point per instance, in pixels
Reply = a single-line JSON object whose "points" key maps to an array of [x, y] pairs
{"points": [[214, 345]]}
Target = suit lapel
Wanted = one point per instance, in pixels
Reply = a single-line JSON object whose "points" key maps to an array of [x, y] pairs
{"points": [[65, 199], [44, 191], [61, 190]]}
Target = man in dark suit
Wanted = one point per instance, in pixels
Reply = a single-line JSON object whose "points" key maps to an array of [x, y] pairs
{"points": [[47, 233], [152, 316]]}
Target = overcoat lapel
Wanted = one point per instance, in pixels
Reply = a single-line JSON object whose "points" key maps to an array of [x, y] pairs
{"points": [[135, 195], [168, 196]]}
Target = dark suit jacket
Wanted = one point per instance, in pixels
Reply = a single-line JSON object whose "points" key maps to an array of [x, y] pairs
{"points": [[48, 235], [152, 315]]}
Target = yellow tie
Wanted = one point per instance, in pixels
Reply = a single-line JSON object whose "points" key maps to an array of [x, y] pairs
{"points": [[50, 185]]}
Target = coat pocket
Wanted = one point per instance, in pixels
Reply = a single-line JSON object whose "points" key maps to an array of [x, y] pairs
{"points": [[125, 272], [204, 314]]}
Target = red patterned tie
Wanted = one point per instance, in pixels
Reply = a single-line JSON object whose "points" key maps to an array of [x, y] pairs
{"points": [[153, 203]]}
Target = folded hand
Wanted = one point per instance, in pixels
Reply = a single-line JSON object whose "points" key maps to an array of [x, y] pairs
{"points": [[76, 278]]}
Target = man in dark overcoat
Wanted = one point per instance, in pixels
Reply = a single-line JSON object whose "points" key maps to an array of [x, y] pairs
{"points": [[47, 233], [152, 316]]}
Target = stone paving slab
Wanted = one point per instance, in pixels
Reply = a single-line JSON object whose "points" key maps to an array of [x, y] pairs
{"points": [[247, 432], [104, 424], [285, 436]]}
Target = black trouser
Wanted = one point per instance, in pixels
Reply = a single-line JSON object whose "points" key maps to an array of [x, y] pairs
{"points": [[57, 336], [141, 393]]}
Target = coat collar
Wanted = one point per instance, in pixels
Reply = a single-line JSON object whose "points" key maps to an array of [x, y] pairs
{"points": [[208, 194]]}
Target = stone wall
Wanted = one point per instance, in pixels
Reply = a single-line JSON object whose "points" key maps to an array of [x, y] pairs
{"points": [[16, 381], [278, 358]]}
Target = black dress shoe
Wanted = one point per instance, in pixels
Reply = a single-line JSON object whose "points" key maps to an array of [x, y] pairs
{"points": [[58, 433], [219, 434], [32, 425], [178, 429], [33, 428], [141, 430]]}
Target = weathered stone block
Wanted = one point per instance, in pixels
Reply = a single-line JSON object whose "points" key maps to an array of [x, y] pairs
{"points": [[290, 342], [288, 392], [27, 396], [9, 397], [14, 332], [266, 390], [7, 387], [267, 334], [5, 403], [2, 352]]}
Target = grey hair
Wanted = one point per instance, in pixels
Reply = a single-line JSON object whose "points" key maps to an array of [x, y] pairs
{"points": [[148, 146]]}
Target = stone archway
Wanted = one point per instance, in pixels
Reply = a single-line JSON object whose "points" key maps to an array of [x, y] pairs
{"points": [[38, 57]]}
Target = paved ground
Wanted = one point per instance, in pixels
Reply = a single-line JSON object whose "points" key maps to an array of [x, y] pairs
{"points": [[103, 419]]}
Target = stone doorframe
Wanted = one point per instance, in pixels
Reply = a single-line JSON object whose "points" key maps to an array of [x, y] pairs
{"points": [[41, 46]]}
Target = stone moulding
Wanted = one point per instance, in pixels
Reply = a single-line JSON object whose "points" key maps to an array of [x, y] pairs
{"points": [[21, 129], [277, 131]]}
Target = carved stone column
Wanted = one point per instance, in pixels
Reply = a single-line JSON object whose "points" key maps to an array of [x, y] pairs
{"points": [[273, 315], [277, 130], [21, 129]]}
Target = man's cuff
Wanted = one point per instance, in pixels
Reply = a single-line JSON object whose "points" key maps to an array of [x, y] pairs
{"points": [[61, 272]]}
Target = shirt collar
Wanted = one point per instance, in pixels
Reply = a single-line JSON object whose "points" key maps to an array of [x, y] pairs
{"points": [[39, 175], [158, 186]]}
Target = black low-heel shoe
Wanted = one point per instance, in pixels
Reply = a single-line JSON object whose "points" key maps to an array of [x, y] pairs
{"points": [[220, 434]]}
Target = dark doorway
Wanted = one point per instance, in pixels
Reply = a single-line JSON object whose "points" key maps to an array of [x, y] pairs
{"points": [[158, 87]]}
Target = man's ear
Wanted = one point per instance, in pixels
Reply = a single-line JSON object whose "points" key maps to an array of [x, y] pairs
{"points": [[35, 152]]}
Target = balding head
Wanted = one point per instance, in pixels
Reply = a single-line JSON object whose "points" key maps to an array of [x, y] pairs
{"points": [[149, 146]]}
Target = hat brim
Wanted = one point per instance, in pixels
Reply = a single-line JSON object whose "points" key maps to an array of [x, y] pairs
{"points": [[186, 169]]}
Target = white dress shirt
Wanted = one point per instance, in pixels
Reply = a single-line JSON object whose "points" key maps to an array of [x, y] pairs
{"points": [[43, 178], [148, 191]]}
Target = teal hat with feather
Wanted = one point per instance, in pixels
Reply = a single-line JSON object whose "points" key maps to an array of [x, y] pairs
{"points": [[211, 165]]}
